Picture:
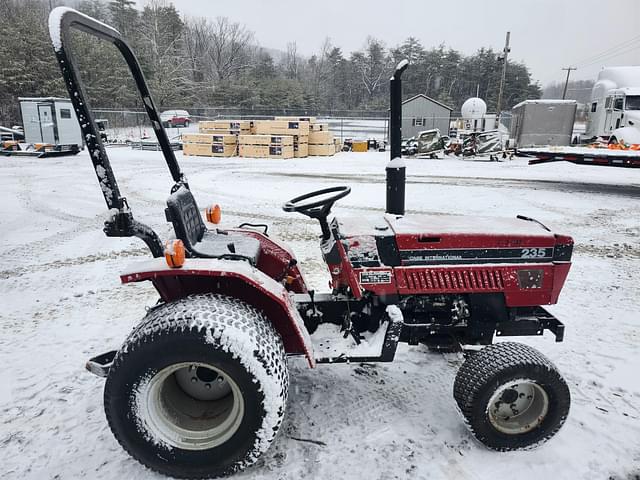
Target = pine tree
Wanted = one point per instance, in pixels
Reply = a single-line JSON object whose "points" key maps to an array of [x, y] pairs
{"points": [[124, 17], [27, 65]]}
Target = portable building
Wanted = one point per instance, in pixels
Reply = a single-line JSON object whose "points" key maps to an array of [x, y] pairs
{"points": [[50, 120]]}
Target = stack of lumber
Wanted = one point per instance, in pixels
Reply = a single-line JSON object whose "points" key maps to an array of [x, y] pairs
{"points": [[266, 146], [296, 127], [234, 127], [282, 137], [321, 141], [299, 119], [210, 144]]}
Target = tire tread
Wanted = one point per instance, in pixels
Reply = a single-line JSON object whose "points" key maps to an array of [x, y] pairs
{"points": [[210, 314], [489, 364]]}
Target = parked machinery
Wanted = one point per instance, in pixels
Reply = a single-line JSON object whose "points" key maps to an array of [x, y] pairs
{"points": [[199, 388]]}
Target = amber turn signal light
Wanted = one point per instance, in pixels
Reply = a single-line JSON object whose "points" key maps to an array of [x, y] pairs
{"points": [[214, 214], [174, 253]]}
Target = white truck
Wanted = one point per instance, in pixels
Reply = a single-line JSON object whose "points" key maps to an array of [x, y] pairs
{"points": [[614, 113]]}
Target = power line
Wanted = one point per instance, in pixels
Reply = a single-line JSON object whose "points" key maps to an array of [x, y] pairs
{"points": [[612, 49], [608, 57], [609, 51]]}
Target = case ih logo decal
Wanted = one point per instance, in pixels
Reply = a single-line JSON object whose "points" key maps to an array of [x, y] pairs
{"points": [[482, 255], [379, 276]]}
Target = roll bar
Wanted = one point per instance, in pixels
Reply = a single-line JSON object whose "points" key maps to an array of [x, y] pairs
{"points": [[122, 223]]}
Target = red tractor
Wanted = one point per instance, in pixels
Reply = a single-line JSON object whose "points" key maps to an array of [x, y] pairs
{"points": [[199, 388]]}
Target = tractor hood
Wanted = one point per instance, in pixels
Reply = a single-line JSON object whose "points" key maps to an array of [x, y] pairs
{"points": [[449, 239], [437, 232]]}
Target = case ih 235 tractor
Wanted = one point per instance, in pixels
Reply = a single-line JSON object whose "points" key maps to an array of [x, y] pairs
{"points": [[199, 388]]}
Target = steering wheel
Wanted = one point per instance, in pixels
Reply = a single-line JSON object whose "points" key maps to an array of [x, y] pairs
{"points": [[310, 205]]}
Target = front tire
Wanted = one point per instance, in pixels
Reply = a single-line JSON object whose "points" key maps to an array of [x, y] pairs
{"points": [[199, 388], [511, 396]]}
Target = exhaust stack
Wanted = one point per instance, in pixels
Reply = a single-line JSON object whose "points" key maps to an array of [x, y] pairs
{"points": [[395, 169]]}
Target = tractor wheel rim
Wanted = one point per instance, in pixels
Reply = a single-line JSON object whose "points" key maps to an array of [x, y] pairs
{"points": [[192, 414], [518, 406]]}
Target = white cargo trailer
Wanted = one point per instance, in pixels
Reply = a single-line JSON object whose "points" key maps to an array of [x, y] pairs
{"points": [[543, 122], [50, 120], [614, 112]]}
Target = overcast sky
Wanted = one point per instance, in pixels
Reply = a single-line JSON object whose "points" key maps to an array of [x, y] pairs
{"points": [[546, 34]]}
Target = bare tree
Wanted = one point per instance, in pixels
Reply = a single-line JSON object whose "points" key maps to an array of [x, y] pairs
{"points": [[372, 64], [319, 70], [196, 42], [161, 38], [291, 60], [216, 50], [229, 48]]}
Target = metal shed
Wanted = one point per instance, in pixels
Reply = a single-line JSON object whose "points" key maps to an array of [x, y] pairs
{"points": [[543, 122], [50, 120], [421, 113]]}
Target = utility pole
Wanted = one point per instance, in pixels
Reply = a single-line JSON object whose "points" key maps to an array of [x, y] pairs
{"points": [[505, 53], [566, 83]]}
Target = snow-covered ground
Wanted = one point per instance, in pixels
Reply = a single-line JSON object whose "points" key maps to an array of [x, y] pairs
{"points": [[63, 303]]}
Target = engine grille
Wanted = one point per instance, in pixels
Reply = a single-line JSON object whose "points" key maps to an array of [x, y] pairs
{"points": [[453, 279]]}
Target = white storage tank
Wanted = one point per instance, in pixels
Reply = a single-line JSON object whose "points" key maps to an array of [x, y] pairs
{"points": [[473, 109], [474, 116]]}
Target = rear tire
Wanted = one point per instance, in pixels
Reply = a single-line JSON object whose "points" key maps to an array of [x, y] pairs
{"points": [[199, 388], [511, 396]]}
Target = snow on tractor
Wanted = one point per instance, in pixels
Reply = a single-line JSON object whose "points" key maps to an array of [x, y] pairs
{"points": [[199, 388]]}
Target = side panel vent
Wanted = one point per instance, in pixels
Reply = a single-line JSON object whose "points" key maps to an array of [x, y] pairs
{"points": [[432, 280]]}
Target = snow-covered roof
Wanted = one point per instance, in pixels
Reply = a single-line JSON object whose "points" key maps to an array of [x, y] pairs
{"points": [[544, 101], [624, 76], [427, 98], [631, 90], [43, 99]]}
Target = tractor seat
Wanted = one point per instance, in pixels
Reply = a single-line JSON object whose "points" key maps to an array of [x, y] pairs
{"points": [[200, 242]]}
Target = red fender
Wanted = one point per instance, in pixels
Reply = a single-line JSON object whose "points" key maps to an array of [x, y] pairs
{"points": [[234, 278]]}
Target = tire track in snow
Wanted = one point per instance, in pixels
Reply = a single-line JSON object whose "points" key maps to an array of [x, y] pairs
{"points": [[49, 403], [357, 410], [73, 261], [623, 250], [34, 248], [554, 185]]}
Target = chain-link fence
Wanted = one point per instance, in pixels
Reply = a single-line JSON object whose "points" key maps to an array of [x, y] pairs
{"points": [[122, 125], [133, 124]]}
